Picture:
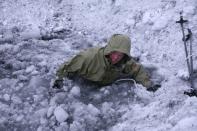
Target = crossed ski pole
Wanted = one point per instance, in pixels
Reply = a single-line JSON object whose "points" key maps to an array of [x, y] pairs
{"points": [[189, 55]]}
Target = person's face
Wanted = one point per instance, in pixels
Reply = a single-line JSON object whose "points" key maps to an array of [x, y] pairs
{"points": [[115, 57]]}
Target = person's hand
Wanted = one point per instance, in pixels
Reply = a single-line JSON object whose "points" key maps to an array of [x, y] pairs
{"points": [[70, 75], [58, 84], [191, 92], [154, 87]]}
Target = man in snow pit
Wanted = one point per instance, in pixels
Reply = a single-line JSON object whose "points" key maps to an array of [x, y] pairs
{"points": [[104, 65]]}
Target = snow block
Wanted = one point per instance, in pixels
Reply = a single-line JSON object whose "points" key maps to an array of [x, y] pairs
{"points": [[75, 91], [60, 114]]}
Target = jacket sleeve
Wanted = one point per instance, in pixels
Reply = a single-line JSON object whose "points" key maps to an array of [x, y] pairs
{"points": [[137, 71], [72, 66]]}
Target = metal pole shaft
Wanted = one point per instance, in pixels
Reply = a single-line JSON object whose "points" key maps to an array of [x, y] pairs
{"points": [[191, 59], [186, 52]]}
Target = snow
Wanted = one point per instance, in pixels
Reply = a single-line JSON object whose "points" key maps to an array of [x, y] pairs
{"points": [[93, 110], [75, 91], [30, 69], [60, 114], [183, 74], [19, 118], [50, 111], [38, 36], [186, 124], [160, 23], [6, 97], [190, 10], [16, 99]]}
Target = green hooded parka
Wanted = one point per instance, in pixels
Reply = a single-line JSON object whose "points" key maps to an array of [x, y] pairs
{"points": [[93, 64]]}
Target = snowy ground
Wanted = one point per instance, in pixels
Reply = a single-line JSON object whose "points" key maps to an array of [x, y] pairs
{"points": [[36, 37]]}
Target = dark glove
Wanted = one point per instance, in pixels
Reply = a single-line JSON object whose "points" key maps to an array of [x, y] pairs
{"points": [[154, 87], [71, 75], [191, 93], [58, 84]]}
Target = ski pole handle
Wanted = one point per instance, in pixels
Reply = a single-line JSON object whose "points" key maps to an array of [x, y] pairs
{"points": [[181, 21]]}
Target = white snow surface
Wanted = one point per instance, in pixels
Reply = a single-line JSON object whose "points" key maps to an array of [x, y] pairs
{"points": [[36, 37], [60, 114]]}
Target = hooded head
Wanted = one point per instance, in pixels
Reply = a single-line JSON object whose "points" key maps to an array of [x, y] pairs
{"points": [[120, 43]]}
